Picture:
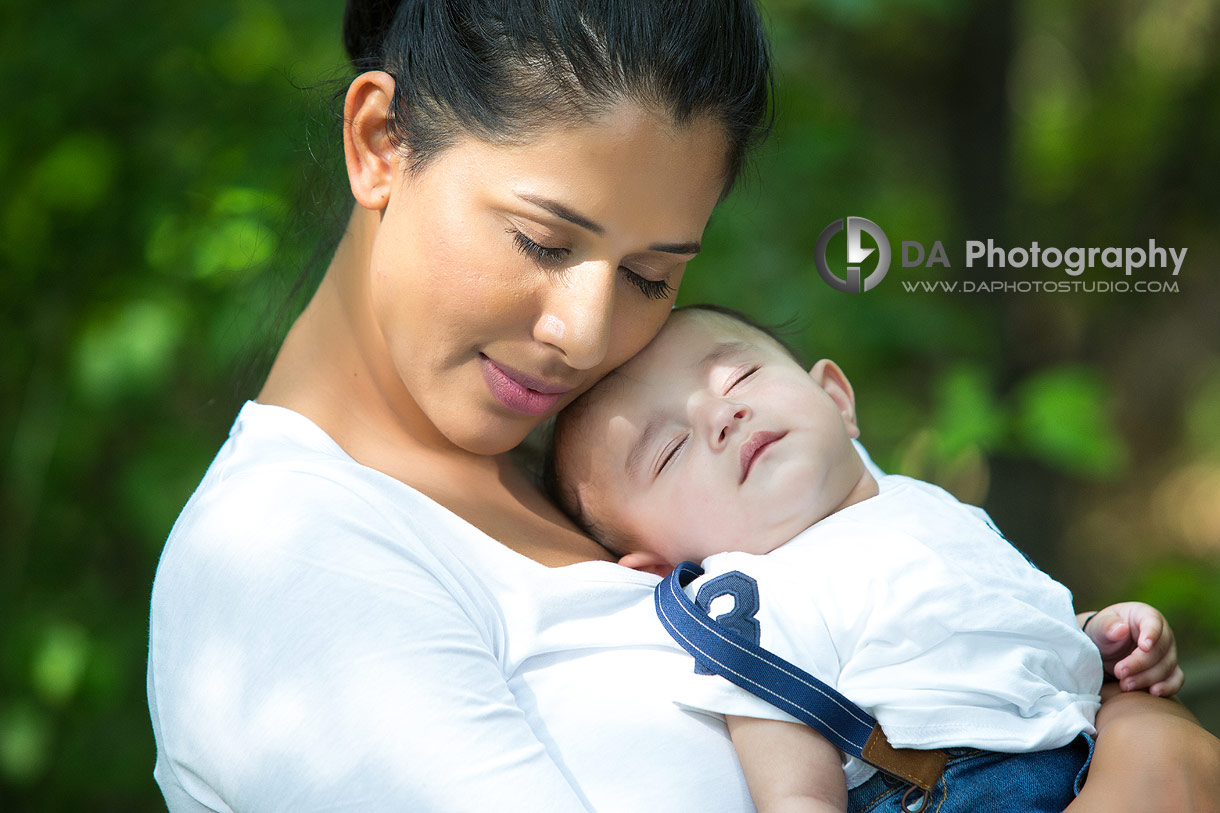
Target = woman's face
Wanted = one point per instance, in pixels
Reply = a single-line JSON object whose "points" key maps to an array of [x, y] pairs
{"points": [[507, 279]]}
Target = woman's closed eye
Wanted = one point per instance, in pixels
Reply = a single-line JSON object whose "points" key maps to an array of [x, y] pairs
{"points": [[554, 257], [543, 255], [651, 288]]}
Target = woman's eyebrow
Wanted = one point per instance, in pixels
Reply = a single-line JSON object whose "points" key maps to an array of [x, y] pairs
{"points": [[693, 247], [564, 213], [559, 210]]}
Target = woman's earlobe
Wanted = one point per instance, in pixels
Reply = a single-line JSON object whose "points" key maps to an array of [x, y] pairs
{"points": [[369, 151]]}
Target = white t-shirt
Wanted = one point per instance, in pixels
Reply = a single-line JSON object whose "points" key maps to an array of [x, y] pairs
{"points": [[914, 607], [324, 637]]}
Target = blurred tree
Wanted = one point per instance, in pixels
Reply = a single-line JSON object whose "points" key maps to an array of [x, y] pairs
{"points": [[167, 177]]}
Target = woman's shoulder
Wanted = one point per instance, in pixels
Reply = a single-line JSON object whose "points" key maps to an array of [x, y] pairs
{"points": [[273, 449], [287, 536], [282, 496], [278, 471]]}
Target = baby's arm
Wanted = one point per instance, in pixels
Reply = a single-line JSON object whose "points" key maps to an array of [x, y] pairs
{"points": [[788, 766], [1137, 647]]}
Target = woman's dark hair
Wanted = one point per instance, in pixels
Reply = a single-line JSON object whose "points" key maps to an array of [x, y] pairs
{"points": [[501, 69]]}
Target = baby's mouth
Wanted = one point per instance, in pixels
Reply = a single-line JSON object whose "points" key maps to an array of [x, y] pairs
{"points": [[754, 446]]}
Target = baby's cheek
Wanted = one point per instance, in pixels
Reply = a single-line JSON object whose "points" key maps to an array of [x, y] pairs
{"points": [[715, 525]]}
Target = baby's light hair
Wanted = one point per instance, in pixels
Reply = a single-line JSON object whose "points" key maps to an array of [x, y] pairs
{"points": [[556, 480], [772, 332]]}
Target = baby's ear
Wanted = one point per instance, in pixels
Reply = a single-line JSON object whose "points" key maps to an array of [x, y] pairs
{"points": [[647, 563], [835, 384]]}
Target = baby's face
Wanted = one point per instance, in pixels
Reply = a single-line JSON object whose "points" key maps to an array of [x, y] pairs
{"points": [[714, 439]]}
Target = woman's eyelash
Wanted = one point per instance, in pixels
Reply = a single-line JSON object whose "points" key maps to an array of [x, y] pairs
{"points": [[651, 288], [672, 452], [545, 255], [541, 254]]}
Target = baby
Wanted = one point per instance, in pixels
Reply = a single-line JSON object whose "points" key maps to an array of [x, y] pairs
{"points": [[714, 444]]}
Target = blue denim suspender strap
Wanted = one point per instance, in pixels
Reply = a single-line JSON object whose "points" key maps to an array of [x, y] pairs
{"points": [[785, 686]]}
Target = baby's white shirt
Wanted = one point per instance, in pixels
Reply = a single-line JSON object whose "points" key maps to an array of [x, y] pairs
{"points": [[915, 607]]}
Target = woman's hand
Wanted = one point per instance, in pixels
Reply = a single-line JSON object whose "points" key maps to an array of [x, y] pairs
{"points": [[1151, 756], [1137, 647]]}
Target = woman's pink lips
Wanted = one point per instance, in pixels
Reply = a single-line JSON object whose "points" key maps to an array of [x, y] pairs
{"points": [[754, 446], [518, 391]]}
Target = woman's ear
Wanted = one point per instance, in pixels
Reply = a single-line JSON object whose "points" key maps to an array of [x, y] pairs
{"points": [[835, 384], [647, 562], [371, 156]]}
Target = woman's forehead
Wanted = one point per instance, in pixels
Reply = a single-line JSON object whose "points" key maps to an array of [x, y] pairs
{"points": [[628, 170]]}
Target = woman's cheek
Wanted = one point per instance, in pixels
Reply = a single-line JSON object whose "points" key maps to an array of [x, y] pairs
{"points": [[640, 322]]}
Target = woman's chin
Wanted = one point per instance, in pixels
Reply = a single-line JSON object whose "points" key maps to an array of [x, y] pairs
{"points": [[495, 437]]}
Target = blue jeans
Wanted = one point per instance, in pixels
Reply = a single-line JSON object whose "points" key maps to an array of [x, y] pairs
{"points": [[988, 782]]}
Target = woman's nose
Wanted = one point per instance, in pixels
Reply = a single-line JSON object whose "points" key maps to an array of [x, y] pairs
{"points": [[723, 418], [577, 313]]}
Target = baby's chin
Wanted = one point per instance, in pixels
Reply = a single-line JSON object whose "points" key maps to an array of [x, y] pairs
{"points": [[758, 541], [784, 532]]}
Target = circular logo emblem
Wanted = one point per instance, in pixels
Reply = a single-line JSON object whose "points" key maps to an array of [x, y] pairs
{"points": [[856, 254]]}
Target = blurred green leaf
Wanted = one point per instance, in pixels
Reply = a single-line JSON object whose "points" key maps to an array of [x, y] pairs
{"points": [[77, 173], [60, 661], [236, 245], [254, 43], [26, 229], [967, 415], [1051, 98], [1203, 417], [1185, 591], [25, 742], [127, 348], [1062, 418]]}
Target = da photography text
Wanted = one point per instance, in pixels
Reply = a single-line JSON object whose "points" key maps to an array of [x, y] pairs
{"points": [[868, 258], [1074, 261]]}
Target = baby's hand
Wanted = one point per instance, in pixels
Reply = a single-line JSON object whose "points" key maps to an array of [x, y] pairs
{"points": [[1137, 647]]}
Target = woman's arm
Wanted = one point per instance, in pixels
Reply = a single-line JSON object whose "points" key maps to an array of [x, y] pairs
{"points": [[1151, 755]]}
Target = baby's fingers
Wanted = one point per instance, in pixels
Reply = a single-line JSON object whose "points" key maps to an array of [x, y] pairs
{"points": [[1140, 659], [1147, 628], [1144, 670], [1130, 680], [1163, 680], [1170, 686]]}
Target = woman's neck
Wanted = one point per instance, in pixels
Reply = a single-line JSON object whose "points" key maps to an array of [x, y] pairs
{"points": [[334, 369]]}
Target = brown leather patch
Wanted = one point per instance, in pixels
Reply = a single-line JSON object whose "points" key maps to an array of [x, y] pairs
{"points": [[920, 768]]}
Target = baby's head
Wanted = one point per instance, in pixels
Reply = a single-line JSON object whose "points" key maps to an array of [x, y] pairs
{"points": [[713, 438]]}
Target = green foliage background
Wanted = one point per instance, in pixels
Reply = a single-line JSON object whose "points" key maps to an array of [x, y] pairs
{"points": [[165, 178]]}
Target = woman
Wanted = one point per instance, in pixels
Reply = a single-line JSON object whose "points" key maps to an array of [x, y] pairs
{"points": [[366, 604]]}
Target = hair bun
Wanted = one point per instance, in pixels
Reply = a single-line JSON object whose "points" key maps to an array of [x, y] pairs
{"points": [[365, 23]]}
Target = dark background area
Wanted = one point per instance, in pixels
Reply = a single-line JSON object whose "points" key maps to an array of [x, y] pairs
{"points": [[165, 175]]}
